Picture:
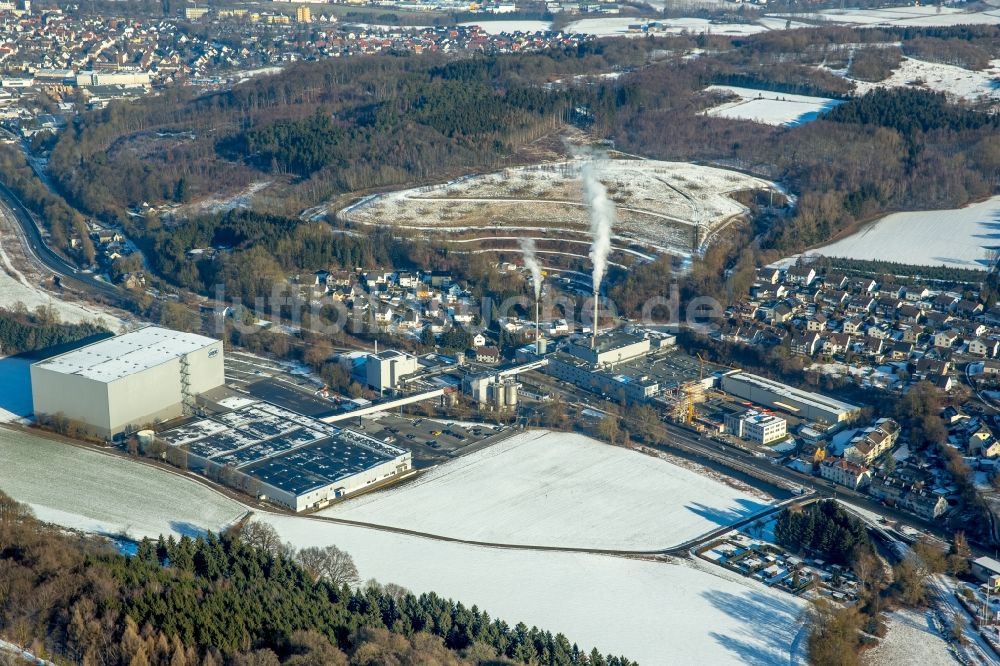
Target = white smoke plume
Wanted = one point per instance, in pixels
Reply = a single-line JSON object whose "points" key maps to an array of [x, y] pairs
{"points": [[602, 218], [531, 261]]}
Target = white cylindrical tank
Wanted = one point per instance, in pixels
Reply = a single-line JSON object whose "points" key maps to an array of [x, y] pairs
{"points": [[145, 437], [510, 394], [499, 399]]}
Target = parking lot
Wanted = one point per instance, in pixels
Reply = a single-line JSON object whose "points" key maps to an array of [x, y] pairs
{"points": [[430, 441]]}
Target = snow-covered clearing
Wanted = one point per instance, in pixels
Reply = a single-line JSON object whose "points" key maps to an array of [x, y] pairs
{"points": [[956, 82], [545, 488], [89, 490], [911, 639], [218, 203], [770, 108], [651, 611], [619, 27], [661, 206], [924, 15], [962, 238], [510, 27], [657, 612]]}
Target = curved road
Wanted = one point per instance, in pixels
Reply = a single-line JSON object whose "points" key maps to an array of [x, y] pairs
{"points": [[68, 274]]}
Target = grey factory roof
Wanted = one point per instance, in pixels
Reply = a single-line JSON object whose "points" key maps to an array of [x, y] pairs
{"points": [[126, 354], [279, 447]]}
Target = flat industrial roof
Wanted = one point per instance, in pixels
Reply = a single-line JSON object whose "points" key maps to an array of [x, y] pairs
{"points": [[126, 354], [804, 397], [287, 450]]}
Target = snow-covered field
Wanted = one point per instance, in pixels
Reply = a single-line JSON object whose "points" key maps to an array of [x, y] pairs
{"points": [[651, 611], [962, 238], [88, 490], [911, 639], [558, 489], [498, 27], [661, 206], [770, 108], [618, 27], [956, 82], [657, 612], [924, 15]]}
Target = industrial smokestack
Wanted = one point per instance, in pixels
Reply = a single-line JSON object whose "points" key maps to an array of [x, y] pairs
{"points": [[538, 337], [593, 336]]}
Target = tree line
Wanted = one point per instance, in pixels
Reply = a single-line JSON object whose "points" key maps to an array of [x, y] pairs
{"points": [[240, 599]]}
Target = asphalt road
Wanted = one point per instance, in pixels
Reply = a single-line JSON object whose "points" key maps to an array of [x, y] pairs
{"points": [[69, 275]]}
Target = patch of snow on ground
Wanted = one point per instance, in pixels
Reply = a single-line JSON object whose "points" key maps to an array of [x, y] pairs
{"points": [[545, 488], [510, 27], [925, 15], [956, 82], [619, 27], [650, 611], [911, 639], [962, 238], [79, 488], [770, 108]]}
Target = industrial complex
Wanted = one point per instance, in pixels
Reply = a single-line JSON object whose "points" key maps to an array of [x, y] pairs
{"points": [[129, 381], [287, 458]]}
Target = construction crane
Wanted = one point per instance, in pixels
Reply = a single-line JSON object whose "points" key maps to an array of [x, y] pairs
{"points": [[701, 367]]}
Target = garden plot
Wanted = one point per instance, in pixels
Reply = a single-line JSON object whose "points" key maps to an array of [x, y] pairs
{"points": [[545, 488], [662, 207], [961, 238], [95, 492], [770, 108]]}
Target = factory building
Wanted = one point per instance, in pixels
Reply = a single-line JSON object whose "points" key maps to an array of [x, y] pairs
{"points": [[122, 383], [386, 369], [284, 457], [574, 370], [610, 348], [756, 427], [805, 405]]}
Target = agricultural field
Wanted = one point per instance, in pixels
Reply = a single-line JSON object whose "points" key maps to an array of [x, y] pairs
{"points": [[100, 493], [911, 15], [559, 489], [653, 611], [662, 207], [917, 238], [769, 108]]}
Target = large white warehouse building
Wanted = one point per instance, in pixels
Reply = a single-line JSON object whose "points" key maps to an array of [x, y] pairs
{"points": [[128, 381]]}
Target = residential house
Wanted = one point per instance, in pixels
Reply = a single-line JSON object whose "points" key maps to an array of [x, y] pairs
{"points": [[801, 275], [872, 442], [487, 355], [806, 344], [836, 343], [946, 339], [984, 347], [845, 473], [817, 322]]}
